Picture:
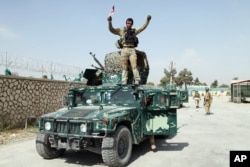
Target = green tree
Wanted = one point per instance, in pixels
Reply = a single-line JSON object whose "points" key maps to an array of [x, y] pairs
{"points": [[196, 81], [44, 77], [184, 76], [166, 79], [203, 84], [223, 86], [214, 84]]}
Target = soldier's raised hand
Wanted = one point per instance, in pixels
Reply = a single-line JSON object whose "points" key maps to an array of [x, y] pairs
{"points": [[149, 17], [109, 18]]}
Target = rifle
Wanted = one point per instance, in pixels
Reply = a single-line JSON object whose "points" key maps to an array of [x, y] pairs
{"points": [[97, 61], [98, 68]]}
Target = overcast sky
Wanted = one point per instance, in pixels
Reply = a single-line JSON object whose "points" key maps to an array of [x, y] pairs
{"points": [[211, 38]]}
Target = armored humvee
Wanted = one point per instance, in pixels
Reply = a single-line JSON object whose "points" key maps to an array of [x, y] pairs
{"points": [[106, 117]]}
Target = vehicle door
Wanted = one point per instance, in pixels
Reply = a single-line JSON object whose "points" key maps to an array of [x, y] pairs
{"points": [[159, 113]]}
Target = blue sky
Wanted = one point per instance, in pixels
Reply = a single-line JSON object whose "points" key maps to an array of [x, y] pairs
{"points": [[211, 38]]}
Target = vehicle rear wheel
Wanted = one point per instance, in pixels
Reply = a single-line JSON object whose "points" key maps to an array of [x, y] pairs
{"points": [[44, 149], [116, 150]]}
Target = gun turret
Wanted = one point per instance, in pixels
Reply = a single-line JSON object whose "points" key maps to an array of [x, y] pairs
{"points": [[97, 61]]}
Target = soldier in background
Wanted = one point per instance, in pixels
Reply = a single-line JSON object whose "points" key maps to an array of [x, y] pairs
{"points": [[128, 41], [197, 98], [149, 102], [207, 101]]}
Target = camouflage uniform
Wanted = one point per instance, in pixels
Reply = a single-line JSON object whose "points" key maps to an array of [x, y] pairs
{"points": [[197, 98], [207, 101], [128, 51]]}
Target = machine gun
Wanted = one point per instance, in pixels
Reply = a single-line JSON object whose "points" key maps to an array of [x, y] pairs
{"points": [[97, 68], [97, 61]]}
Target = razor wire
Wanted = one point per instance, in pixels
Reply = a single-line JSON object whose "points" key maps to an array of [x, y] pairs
{"points": [[37, 65]]}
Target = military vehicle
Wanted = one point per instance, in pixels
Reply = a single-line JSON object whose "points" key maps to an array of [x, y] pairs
{"points": [[182, 96], [106, 117]]}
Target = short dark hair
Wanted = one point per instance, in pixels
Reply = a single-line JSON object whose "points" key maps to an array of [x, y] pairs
{"points": [[130, 19]]}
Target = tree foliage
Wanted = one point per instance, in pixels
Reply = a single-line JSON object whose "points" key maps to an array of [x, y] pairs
{"points": [[44, 77], [184, 76], [196, 81], [214, 84], [223, 86]]}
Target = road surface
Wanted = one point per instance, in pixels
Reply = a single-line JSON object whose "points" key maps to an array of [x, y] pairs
{"points": [[202, 141]]}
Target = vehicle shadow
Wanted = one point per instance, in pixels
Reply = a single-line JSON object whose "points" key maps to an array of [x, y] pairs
{"points": [[82, 158], [161, 144], [86, 158]]}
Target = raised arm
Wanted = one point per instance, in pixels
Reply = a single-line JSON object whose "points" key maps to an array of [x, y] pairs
{"points": [[140, 29], [113, 30]]}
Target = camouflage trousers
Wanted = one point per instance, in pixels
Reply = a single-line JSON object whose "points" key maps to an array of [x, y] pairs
{"points": [[129, 54], [197, 101], [207, 107]]}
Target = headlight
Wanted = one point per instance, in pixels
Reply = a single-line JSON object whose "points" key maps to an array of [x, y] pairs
{"points": [[83, 127], [47, 125]]}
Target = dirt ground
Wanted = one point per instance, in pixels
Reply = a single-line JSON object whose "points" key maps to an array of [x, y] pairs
{"points": [[16, 135]]}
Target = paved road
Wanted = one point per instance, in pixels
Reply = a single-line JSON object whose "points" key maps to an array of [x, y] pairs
{"points": [[202, 141]]}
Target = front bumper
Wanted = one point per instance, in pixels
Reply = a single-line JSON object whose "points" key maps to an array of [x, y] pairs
{"points": [[67, 134]]}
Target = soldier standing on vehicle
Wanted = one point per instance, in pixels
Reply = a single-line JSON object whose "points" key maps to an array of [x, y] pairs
{"points": [[197, 98], [128, 41], [207, 101]]}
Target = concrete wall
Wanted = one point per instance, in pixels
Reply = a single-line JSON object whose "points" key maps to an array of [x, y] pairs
{"points": [[22, 97]]}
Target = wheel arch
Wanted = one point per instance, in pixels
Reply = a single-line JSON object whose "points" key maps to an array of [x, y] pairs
{"points": [[125, 123]]}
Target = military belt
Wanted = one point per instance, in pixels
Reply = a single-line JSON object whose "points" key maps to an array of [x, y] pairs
{"points": [[128, 46]]}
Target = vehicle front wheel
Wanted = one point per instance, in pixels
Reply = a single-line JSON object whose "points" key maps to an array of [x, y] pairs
{"points": [[116, 150], [44, 149]]}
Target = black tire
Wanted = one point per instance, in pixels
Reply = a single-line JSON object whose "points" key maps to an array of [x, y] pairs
{"points": [[43, 147], [116, 150]]}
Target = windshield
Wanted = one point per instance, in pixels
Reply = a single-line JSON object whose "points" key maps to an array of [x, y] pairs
{"points": [[107, 97]]}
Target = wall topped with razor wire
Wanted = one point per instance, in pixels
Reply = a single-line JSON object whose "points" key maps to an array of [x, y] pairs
{"points": [[33, 67]]}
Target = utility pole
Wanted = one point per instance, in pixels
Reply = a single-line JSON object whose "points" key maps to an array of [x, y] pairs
{"points": [[171, 68]]}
